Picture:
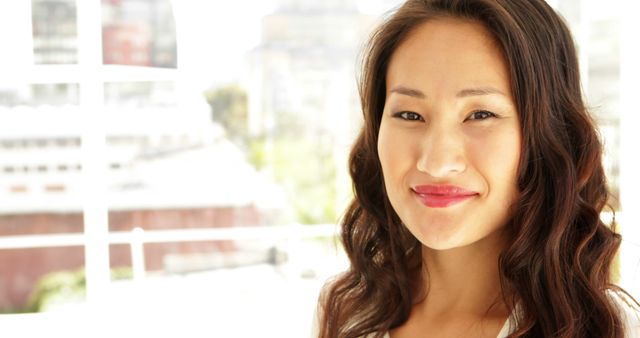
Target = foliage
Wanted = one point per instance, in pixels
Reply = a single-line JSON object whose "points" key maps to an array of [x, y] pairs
{"points": [[306, 170], [64, 287], [299, 156], [229, 108], [57, 288]]}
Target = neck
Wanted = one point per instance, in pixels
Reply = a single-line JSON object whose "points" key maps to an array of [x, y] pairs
{"points": [[465, 279]]}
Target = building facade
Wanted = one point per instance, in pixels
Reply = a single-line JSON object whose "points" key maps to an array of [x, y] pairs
{"points": [[163, 163]]}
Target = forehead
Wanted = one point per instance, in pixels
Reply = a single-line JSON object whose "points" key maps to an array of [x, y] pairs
{"points": [[448, 52]]}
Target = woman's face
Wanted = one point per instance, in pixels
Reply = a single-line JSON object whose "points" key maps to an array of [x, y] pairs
{"points": [[449, 140]]}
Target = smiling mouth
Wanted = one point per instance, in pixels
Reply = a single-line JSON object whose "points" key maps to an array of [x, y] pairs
{"points": [[442, 196]]}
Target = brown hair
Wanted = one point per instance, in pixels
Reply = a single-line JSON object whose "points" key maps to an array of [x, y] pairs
{"points": [[556, 265]]}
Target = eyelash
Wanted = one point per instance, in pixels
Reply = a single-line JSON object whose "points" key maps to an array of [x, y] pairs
{"points": [[412, 116], [404, 115], [487, 114]]}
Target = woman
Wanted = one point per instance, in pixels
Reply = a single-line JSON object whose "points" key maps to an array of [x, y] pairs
{"points": [[478, 184]]}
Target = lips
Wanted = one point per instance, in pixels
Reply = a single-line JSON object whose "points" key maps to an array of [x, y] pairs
{"points": [[442, 196]]}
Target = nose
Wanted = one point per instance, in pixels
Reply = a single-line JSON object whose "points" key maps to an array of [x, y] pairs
{"points": [[442, 153]]}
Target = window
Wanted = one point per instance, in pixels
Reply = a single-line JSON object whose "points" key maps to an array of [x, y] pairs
{"points": [[244, 119], [54, 31]]}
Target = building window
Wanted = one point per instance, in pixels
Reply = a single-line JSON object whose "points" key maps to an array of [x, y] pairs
{"points": [[140, 94], [18, 189], [55, 188], [138, 33], [55, 94], [55, 33], [7, 144]]}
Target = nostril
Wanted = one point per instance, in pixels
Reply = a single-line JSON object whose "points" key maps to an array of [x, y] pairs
{"points": [[443, 164]]}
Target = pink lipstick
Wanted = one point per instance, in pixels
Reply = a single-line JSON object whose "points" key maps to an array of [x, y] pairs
{"points": [[442, 196]]}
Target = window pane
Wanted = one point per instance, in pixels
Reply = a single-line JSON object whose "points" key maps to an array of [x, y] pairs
{"points": [[140, 94], [138, 33], [40, 94], [55, 35]]}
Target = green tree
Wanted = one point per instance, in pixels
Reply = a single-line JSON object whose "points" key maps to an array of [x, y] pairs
{"points": [[64, 287], [301, 160], [229, 108], [305, 167]]}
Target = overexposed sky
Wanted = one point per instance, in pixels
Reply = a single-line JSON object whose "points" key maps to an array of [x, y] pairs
{"points": [[214, 36]]}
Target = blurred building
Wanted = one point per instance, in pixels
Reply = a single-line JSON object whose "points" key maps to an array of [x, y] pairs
{"points": [[167, 165], [54, 31], [303, 81], [138, 32], [146, 122], [304, 68]]}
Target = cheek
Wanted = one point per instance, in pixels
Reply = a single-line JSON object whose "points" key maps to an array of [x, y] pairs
{"points": [[496, 157], [394, 154]]}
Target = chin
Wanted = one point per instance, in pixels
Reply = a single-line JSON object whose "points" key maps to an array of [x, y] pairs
{"points": [[440, 239]]}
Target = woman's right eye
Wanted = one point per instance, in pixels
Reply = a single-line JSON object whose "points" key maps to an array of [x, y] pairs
{"points": [[409, 116]]}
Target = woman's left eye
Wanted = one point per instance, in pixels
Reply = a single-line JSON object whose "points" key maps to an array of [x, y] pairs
{"points": [[408, 116], [481, 115]]}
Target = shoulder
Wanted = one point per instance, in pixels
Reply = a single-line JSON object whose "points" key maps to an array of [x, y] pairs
{"points": [[629, 312]]}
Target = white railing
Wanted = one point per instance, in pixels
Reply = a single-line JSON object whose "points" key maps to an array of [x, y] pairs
{"points": [[133, 306], [630, 251], [138, 237]]}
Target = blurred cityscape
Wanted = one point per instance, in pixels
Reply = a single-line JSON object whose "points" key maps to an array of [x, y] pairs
{"points": [[138, 94]]}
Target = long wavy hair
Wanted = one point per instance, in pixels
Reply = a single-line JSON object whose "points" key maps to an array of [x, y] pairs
{"points": [[556, 264]]}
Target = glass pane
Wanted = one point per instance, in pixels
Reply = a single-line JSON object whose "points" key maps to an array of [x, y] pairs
{"points": [[40, 94], [38, 182], [42, 279], [250, 132], [140, 94], [138, 33], [55, 34]]}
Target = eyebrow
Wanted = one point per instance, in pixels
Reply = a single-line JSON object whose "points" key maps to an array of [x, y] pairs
{"points": [[463, 93], [479, 91], [408, 92]]}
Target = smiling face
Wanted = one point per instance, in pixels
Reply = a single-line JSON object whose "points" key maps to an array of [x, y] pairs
{"points": [[449, 139]]}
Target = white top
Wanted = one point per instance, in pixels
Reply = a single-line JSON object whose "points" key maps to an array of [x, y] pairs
{"points": [[630, 319], [504, 332]]}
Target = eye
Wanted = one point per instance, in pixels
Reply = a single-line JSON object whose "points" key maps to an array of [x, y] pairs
{"points": [[481, 115], [409, 116]]}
